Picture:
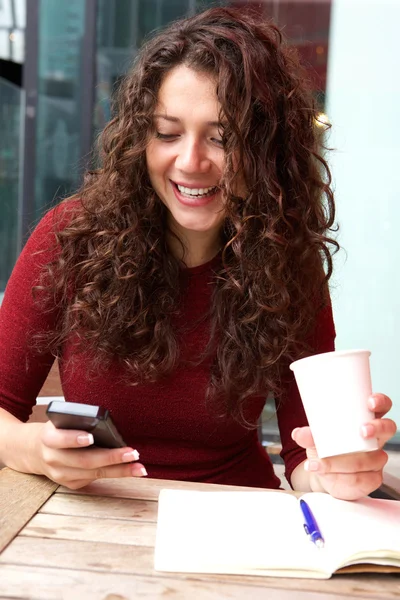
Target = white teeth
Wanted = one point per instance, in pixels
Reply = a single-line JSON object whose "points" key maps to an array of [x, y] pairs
{"points": [[194, 191]]}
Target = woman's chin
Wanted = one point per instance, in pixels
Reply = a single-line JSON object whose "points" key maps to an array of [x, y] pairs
{"points": [[200, 228]]}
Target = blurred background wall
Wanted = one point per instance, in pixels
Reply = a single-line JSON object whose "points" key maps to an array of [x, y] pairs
{"points": [[363, 94], [61, 61]]}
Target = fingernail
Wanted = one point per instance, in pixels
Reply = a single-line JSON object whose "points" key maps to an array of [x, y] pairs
{"points": [[85, 439], [294, 432], [367, 430], [130, 456], [311, 465], [372, 402], [141, 472]]}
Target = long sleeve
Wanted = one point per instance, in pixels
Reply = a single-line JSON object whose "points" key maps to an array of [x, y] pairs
{"points": [[22, 369], [290, 411]]}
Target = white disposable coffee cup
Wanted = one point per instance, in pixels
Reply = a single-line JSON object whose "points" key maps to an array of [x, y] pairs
{"points": [[334, 388]]}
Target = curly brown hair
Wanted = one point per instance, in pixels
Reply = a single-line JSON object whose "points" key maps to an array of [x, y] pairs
{"points": [[118, 284]]}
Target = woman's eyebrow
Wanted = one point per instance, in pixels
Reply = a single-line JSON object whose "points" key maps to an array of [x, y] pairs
{"points": [[177, 120], [167, 118]]}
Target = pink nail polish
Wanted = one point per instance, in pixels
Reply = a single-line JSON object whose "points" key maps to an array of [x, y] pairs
{"points": [[311, 465], [130, 456], [85, 439], [367, 430], [138, 471]]}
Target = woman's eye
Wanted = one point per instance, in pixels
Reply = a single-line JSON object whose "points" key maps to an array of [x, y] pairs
{"points": [[217, 141], [165, 136]]}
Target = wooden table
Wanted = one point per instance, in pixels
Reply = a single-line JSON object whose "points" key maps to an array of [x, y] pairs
{"points": [[99, 542]]}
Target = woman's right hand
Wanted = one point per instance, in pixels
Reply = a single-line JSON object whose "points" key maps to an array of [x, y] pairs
{"points": [[65, 457]]}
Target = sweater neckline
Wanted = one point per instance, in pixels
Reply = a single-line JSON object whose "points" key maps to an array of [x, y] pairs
{"points": [[205, 267]]}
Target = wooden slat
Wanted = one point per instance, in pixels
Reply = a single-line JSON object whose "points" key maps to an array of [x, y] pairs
{"points": [[39, 583], [103, 507], [144, 488], [117, 558], [21, 496], [113, 531], [92, 556]]}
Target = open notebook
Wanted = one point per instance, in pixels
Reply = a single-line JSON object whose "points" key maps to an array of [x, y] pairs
{"points": [[262, 533]]}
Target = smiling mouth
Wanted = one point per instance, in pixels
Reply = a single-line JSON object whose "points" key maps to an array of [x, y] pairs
{"points": [[195, 192]]}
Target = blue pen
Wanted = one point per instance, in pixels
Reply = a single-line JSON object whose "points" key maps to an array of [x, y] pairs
{"points": [[310, 525]]}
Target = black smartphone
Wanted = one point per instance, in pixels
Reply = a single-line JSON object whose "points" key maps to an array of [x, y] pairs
{"points": [[93, 419]]}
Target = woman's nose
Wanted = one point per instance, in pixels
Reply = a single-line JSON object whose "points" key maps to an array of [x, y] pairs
{"points": [[192, 157]]}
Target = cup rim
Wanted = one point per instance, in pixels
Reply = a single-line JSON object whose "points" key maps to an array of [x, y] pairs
{"points": [[328, 355]]}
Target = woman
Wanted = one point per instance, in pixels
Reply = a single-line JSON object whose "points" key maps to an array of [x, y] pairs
{"points": [[180, 282]]}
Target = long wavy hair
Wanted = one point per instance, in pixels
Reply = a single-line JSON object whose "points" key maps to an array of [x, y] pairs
{"points": [[117, 283]]}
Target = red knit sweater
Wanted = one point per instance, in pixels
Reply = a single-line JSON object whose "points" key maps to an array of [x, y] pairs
{"points": [[177, 434]]}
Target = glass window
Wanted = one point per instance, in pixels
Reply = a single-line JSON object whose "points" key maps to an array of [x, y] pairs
{"points": [[60, 85], [11, 105], [173, 9], [122, 25]]}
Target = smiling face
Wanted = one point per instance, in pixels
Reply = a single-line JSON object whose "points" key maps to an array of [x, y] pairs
{"points": [[185, 157]]}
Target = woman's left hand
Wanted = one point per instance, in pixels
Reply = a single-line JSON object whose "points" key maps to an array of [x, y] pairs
{"points": [[350, 476]]}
